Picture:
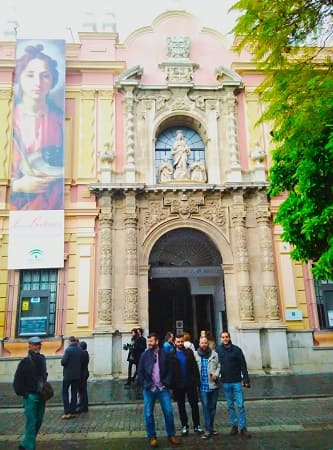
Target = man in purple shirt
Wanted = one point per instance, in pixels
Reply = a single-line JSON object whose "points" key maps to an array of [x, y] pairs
{"points": [[155, 377]]}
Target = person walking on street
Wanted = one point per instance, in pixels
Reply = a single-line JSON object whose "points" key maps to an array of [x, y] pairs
{"points": [[209, 369], [83, 388], [233, 374], [30, 375], [155, 377], [186, 380], [72, 363], [168, 344], [140, 347], [132, 355]]}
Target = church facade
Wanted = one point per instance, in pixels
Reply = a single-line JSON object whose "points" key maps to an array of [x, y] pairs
{"points": [[168, 225]]}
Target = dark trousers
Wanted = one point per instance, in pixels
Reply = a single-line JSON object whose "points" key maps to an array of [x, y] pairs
{"points": [[83, 396], [129, 372], [70, 406], [192, 396]]}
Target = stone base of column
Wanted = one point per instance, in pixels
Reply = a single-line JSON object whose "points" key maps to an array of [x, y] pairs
{"points": [[275, 349], [249, 342], [103, 354]]}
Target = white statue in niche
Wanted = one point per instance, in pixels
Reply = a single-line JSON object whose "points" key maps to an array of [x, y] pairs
{"points": [[198, 171], [165, 171], [180, 152]]}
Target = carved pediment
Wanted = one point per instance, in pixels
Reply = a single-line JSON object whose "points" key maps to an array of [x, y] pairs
{"points": [[228, 77], [129, 77]]}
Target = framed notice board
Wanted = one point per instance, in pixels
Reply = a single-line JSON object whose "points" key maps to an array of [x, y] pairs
{"points": [[34, 313]]}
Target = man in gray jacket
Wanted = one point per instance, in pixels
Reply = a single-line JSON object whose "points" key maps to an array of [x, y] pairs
{"points": [[72, 364]]}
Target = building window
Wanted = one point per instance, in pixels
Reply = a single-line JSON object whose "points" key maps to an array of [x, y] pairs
{"points": [[37, 302], [324, 297], [166, 139]]}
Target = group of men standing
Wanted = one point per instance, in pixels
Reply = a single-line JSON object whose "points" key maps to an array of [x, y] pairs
{"points": [[182, 373]]}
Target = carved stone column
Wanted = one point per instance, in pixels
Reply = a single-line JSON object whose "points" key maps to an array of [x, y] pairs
{"points": [[129, 111], [234, 173], [242, 263], [131, 280], [104, 307], [5, 134], [86, 157], [271, 302]]}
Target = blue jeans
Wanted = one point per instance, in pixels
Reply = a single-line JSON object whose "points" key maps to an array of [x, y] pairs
{"points": [[149, 399], [34, 409], [209, 401], [234, 394]]}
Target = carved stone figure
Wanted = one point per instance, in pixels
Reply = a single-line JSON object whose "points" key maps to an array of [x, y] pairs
{"points": [[165, 171], [198, 171], [180, 152]]}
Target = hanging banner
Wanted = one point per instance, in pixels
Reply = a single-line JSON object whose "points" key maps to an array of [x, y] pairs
{"points": [[37, 176]]}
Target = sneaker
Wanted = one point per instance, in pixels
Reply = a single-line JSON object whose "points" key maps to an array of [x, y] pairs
{"points": [[214, 432], [174, 440], [153, 442], [245, 434], [234, 430], [206, 435], [185, 431], [198, 430], [67, 416]]}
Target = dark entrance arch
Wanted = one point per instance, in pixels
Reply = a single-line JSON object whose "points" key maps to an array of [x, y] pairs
{"points": [[186, 291]]}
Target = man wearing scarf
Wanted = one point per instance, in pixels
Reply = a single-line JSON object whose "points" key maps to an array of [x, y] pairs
{"points": [[28, 382], [209, 368]]}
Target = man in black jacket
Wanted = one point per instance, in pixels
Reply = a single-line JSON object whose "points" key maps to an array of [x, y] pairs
{"points": [[72, 364], [28, 382], [186, 380], [234, 374]]}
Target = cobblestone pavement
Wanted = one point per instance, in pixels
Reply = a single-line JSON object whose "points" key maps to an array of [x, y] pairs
{"points": [[303, 423]]}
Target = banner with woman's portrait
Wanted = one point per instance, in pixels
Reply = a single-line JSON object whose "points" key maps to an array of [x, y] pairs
{"points": [[36, 222]]}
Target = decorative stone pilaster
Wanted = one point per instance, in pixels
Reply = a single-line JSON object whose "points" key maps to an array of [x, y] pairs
{"points": [[234, 173], [131, 279], [86, 161], [104, 307], [5, 132], [129, 111], [271, 302], [238, 215]]}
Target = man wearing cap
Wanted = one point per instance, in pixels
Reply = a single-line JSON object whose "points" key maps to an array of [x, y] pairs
{"points": [[28, 381], [72, 363]]}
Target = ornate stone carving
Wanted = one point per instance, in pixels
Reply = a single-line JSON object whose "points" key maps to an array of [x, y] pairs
{"points": [[105, 306], [154, 214], [237, 215], [241, 254], [184, 205], [246, 303], [271, 303], [232, 130], [179, 47], [214, 212], [130, 307], [105, 254], [179, 73]]}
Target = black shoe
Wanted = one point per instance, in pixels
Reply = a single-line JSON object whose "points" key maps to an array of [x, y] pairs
{"points": [[128, 383], [245, 434], [234, 430]]}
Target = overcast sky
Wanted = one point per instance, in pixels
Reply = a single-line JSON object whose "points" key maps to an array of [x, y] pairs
{"points": [[50, 18]]}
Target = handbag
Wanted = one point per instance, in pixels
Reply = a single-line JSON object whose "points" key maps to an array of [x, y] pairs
{"points": [[47, 391]]}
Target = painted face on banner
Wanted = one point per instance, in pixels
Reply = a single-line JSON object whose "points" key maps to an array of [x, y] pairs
{"points": [[36, 80]]}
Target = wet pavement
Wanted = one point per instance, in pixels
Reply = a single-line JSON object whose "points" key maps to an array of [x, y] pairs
{"points": [[286, 412], [106, 391], [275, 425]]}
